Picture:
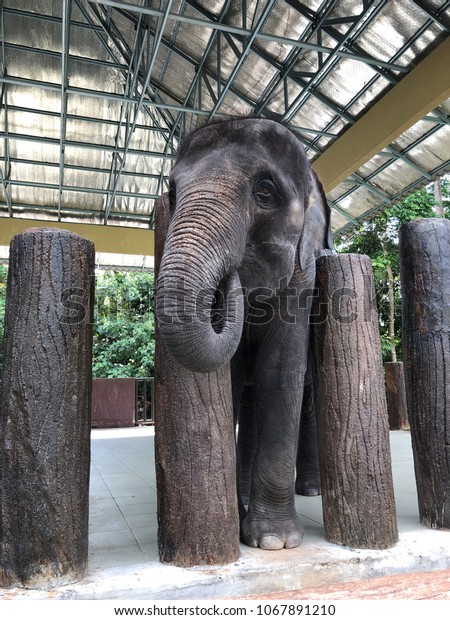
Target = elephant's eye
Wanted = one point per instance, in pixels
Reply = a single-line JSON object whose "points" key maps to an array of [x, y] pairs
{"points": [[266, 194]]}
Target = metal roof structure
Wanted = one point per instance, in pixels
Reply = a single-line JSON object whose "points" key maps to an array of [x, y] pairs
{"points": [[95, 96]]}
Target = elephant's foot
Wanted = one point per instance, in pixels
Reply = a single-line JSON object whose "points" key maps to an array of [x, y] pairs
{"points": [[308, 486], [272, 535]]}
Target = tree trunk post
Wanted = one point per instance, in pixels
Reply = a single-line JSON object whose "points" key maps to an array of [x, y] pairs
{"points": [[355, 463], [45, 410], [396, 396], [425, 276], [198, 521]]}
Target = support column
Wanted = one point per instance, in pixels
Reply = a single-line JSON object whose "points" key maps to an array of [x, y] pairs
{"points": [[45, 410], [396, 396], [357, 489], [198, 520], [425, 275]]}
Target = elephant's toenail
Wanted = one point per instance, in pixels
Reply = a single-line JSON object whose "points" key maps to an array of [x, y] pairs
{"points": [[271, 543], [294, 540], [310, 492]]}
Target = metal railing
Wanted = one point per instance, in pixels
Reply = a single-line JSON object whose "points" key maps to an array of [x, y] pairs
{"points": [[144, 401]]}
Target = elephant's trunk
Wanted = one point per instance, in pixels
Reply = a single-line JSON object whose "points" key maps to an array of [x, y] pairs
{"points": [[199, 297]]}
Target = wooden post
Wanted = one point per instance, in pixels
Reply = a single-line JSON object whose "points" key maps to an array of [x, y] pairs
{"points": [[198, 520], [355, 463], [396, 396], [45, 410], [425, 276]]}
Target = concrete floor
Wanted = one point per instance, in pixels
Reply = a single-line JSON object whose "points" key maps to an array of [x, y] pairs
{"points": [[123, 557]]}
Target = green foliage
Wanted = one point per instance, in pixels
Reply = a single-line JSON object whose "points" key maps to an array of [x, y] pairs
{"points": [[124, 324], [378, 239], [124, 330]]}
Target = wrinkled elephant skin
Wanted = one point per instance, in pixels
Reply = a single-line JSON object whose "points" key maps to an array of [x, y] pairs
{"points": [[248, 219]]}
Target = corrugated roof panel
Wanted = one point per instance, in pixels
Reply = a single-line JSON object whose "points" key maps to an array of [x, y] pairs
{"points": [[337, 85], [32, 173], [33, 196], [394, 177], [84, 201], [85, 178], [360, 201], [375, 163], [35, 151], [30, 124], [396, 23], [432, 152]]}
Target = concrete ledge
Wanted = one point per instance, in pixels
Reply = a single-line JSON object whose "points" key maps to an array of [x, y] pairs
{"points": [[260, 573]]}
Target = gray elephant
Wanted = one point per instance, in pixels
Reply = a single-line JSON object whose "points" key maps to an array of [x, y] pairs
{"points": [[236, 282]]}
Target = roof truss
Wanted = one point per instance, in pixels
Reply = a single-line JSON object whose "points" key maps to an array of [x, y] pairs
{"points": [[189, 62]]}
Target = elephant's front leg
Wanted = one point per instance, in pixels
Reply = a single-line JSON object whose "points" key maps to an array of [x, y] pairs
{"points": [[308, 473], [271, 521]]}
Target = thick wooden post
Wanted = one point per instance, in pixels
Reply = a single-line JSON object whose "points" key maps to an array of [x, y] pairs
{"points": [[45, 410], [396, 396], [355, 463], [198, 520], [425, 275]]}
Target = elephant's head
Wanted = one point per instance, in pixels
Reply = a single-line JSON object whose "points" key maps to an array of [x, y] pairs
{"points": [[246, 209]]}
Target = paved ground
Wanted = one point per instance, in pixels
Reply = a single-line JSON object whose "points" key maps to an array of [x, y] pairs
{"points": [[432, 585], [123, 561]]}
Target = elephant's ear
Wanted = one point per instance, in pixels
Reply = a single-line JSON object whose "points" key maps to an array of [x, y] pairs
{"points": [[162, 218], [162, 206], [316, 234]]}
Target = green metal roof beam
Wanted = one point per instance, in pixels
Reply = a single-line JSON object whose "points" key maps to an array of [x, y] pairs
{"points": [[246, 33], [65, 45], [437, 172], [84, 119], [48, 18], [428, 175], [84, 145], [435, 14], [80, 189], [4, 174], [119, 50], [427, 85], [70, 211], [78, 168], [200, 66], [156, 43], [258, 26], [393, 80], [99, 95], [130, 87]]}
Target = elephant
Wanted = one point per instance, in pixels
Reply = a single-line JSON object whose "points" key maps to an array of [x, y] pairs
{"points": [[236, 279]]}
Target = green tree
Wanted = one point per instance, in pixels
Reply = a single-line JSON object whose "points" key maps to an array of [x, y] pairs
{"points": [[124, 329], [124, 324], [378, 238]]}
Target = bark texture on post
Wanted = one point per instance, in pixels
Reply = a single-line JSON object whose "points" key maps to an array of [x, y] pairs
{"points": [[45, 410], [355, 463], [198, 521], [425, 275], [396, 396]]}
